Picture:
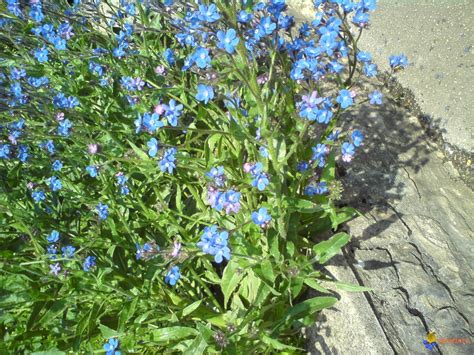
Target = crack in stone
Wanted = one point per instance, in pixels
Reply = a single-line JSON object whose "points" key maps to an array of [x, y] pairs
{"points": [[414, 182], [410, 232], [413, 311], [431, 271], [392, 263], [460, 314]]}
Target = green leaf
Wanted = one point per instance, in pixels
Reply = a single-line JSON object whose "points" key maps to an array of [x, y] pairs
{"points": [[107, 332], [197, 347], [140, 153], [165, 335], [280, 149], [329, 172], [191, 308], [230, 279], [315, 285], [308, 307], [352, 288], [328, 248], [303, 206], [54, 311], [127, 313], [275, 344]]}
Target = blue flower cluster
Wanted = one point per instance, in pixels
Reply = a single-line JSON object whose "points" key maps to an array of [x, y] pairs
{"points": [[319, 188], [229, 200], [259, 178], [348, 148], [217, 174], [215, 242], [261, 217], [122, 183], [173, 275], [111, 347]]}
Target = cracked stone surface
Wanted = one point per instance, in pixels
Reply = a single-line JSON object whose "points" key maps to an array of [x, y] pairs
{"points": [[413, 246]]}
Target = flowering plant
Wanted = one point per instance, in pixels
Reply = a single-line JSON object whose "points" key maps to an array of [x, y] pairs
{"points": [[166, 170]]}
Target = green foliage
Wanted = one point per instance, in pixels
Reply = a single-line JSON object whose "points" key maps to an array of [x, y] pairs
{"points": [[255, 302]]}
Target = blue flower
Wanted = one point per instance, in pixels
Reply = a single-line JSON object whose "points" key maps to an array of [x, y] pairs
{"points": [[17, 73], [398, 61], [168, 54], [41, 54], [52, 250], [227, 40], [260, 181], [328, 42], [54, 183], [38, 195], [261, 217], [317, 189], [263, 152], [152, 147], [121, 178], [151, 122], [59, 43], [111, 346], [173, 112], [168, 161], [55, 269], [344, 99], [266, 26], [38, 82], [208, 14], [61, 101], [35, 13], [88, 263], [244, 16], [348, 151], [302, 166], [65, 30], [64, 128], [4, 151], [92, 170], [201, 58], [215, 242], [218, 175], [172, 276], [53, 237], [57, 165], [357, 137], [68, 251], [364, 56], [319, 151], [49, 145], [22, 153], [205, 93], [361, 19], [375, 97], [102, 210], [124, 190], [370, 70]]}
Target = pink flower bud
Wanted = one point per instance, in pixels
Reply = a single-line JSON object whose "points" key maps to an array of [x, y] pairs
{"points": [[159, 109], [247, 167], [262, 79], [60, 116], [160, 70], [93, 148]]}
